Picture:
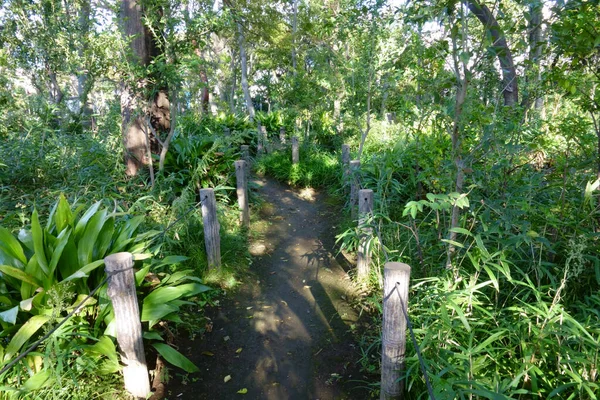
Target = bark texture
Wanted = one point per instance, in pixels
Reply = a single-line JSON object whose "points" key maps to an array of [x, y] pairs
{"points": [[510, 89]]}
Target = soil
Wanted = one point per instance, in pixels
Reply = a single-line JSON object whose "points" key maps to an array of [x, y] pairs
{"points": [[285, 333]]}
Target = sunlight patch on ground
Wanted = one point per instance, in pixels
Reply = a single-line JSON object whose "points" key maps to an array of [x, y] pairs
{"points": [[308, 194]]}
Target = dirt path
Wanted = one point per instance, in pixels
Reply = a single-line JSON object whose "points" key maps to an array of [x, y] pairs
{"points": [[291, 322]]}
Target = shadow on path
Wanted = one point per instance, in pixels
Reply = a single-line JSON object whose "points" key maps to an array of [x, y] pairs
{"points": [[285, 334]]}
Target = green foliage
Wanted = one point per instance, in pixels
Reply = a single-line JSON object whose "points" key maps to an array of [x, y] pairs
{"points": [[51, 269], [317, 168]]}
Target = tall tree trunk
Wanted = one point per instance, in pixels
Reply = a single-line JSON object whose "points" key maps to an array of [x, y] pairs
{"points": [[233, 82], [294, 32], [84, 83], [510, 88], [141, 118], [536, 45], [132, 121], [461, 96], [244, 68]]}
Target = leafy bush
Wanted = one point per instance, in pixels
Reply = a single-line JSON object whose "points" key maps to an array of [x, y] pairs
{"points": [[317, 168], [47, 271]]}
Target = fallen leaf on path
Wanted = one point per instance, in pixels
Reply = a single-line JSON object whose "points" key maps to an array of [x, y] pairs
{"points": [[284, 302], [207, 353], [227, 378], [248, 308], [243, 391], [226, 338], [238, 351], [306, 287]]}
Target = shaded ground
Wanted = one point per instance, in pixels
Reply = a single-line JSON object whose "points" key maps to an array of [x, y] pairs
{"points": [[284, 335]]}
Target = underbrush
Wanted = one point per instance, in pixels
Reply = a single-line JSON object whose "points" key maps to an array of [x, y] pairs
{"points": [[85, 172], [317, 168], [516, 316]]}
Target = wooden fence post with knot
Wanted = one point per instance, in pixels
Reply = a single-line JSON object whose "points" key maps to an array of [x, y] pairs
{"points": [[212, 236], [365, 210], [242, 192], [393, 335], [121, 290]]}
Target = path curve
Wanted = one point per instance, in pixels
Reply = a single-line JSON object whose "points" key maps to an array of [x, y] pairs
{"points": [[291, 322]]}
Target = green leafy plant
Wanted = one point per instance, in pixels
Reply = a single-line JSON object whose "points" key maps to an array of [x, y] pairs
{"points": [[51, 269]]}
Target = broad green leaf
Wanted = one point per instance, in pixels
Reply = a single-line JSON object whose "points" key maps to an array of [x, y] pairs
{"points": [[63, 239], [11, 252], [20, 275], [180, 276], [84, 271], [462, 231], [69, 262], [153, 335], [24, 334], [10, 316], [38, 242], [82, 223], [141, 274], [24, 237], [63, 217], [128, 228], [38, 381], [85, 247], [174, 357], [152, 313], [105, 347], [165, 294], [104, 239], [454, 243]]}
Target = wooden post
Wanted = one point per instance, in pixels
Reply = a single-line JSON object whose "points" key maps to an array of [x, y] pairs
{"points": [[345, 164], [212, 237], [354, 187], [121, 290], [365, 208], [295, 151], [282, 135], [227, 132], [245, 150], [393, 335], [242, 192], [265, 139]]}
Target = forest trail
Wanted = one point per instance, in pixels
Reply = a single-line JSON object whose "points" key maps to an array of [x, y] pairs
{"points": [[291, 321]]}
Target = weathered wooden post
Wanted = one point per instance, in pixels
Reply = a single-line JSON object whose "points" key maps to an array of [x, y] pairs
{"points": [[365, 208], [354, 187], [295, 151], [245, 150], [345, 163], [393, 336], [265, 139], [282, 135], [227, 132], [121, 290], [212, 237], [242, 192]]}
